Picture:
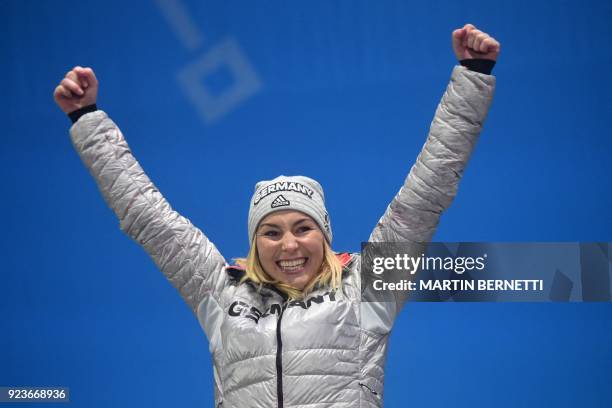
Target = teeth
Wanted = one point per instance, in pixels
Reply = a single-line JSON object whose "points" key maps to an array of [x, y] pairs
{"points": [[292, 264]]}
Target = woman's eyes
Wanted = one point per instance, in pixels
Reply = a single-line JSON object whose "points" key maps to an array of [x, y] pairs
{"points": [[303, 229]]}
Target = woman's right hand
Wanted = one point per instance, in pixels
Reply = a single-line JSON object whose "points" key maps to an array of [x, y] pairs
{"points": [[78, 89]]}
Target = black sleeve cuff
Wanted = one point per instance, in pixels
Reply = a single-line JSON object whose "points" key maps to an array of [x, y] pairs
{"points": [[484, 66], [74, 116]]}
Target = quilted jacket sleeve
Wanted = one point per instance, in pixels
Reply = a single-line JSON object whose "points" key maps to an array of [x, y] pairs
{"points": [[431, 186], [181, 251]]}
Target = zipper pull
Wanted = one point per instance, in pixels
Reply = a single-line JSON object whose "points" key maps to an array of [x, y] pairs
{"points": [[368, 388]]}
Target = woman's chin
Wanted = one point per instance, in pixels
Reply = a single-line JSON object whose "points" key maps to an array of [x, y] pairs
{"points": [[298, 281]]}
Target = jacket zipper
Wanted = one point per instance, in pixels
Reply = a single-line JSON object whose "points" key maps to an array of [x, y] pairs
{"points": [[279, 358]]}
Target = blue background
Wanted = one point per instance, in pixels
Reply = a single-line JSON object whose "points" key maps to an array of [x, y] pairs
{"points": [[346, 92]]}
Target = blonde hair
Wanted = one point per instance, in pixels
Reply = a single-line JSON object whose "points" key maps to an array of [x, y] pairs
{"points": [[330, 272]]}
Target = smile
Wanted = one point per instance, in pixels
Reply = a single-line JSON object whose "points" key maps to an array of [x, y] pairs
{"points": [[292, 265]]}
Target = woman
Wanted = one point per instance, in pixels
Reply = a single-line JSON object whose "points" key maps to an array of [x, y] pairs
{"points": [[287, 327]]}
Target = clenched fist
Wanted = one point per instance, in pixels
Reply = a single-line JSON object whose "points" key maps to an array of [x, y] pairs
{"points": [[78, 89], [471, 43]]}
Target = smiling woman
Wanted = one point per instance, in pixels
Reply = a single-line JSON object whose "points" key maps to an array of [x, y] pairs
{"points": [[290, 237], [287, 326], [290, 247]]}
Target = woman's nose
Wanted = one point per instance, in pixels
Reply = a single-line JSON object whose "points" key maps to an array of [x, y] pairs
{"points": [[289, 242]]}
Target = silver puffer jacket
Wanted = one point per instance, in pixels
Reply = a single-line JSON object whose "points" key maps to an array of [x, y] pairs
{"points": [[328, 350]]}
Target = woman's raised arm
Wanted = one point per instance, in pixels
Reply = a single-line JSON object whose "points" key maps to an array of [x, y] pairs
{"points": [[431, 186], [181, 251]]}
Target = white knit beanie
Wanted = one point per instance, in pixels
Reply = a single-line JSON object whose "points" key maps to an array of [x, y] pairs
{"points": [[297, 193]]}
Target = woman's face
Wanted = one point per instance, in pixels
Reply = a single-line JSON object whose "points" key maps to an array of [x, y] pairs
{"points": [[290, 247]]}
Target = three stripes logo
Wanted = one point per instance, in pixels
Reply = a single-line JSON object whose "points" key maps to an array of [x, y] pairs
{"points": [[279, 201]]}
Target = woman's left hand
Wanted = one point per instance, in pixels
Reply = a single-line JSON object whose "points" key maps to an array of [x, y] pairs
{"points": [[471, 43]]}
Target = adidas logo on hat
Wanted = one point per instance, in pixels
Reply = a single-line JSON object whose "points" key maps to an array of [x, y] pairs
{"points": [[279, 201]]}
